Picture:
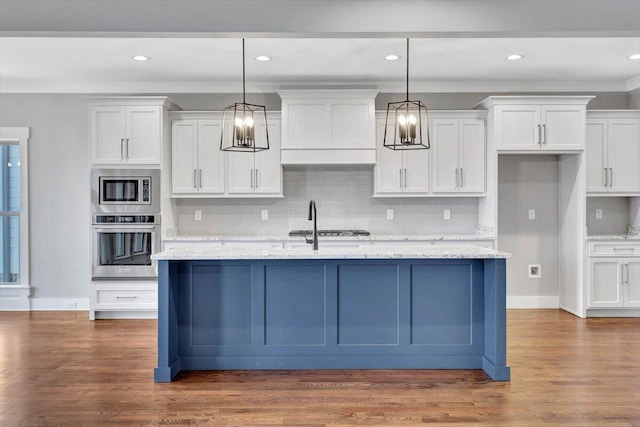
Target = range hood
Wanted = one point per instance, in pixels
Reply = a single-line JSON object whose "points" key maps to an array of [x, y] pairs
{"points": [[328, 127]]}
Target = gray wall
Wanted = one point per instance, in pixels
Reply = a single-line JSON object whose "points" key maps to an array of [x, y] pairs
{"points": [[529, 182], [634, 99], [615, 215], [343, 198]]}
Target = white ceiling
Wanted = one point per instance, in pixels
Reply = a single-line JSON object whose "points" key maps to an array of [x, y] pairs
{"points": [[104, 65]]}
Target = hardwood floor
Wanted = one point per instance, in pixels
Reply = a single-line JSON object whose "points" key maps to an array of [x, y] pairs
{"points": [[60, 369]]}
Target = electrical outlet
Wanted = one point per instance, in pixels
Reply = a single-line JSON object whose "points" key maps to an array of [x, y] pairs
{"points": [[447, 214], [264, 214], [198, 215], [532, 214], [598, 213], [535, 271], [70, 304], [389, 213]]}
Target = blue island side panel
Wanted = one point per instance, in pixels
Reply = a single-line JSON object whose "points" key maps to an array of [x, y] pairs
{"points": [[325, 314]]}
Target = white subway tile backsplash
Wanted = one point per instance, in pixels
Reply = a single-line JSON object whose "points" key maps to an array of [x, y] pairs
{"points": [[343, 198]]}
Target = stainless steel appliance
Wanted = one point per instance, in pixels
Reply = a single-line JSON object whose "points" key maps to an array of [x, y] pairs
{"points": [[135, 191], [122, 246]]}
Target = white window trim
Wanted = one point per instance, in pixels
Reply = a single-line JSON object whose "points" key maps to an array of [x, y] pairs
{"points": [[16, 297]]}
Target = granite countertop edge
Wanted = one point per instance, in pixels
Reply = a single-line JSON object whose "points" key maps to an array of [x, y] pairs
{"points": [[614, 237], [373, 237]]}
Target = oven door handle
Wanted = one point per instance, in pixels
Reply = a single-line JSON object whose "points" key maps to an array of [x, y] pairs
{"points": [[124, 228]]}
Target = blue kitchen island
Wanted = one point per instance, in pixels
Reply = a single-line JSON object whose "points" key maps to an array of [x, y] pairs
{"points": [[377, 307]]}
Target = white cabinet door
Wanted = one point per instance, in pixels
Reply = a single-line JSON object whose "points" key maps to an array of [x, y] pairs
{"points": [[388, 167], [107, 134], [596, 155], [446, 176], [623, 142], [268, 171], [472, 155], [605, 283], [563, 127], [211, 171], [240, 172], [517, 127], [184, 156], [143, 135], [632, 285], [416, 171]]}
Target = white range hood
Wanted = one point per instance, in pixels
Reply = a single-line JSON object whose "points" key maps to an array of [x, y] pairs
{"points": [[328, 127]]}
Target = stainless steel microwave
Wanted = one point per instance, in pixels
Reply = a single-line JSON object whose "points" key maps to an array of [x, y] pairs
{"points": [[125, 190]]}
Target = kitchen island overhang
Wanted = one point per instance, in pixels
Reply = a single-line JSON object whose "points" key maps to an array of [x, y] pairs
{"points": [[437, 307]]}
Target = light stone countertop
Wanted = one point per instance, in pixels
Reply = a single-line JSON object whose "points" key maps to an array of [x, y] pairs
{"points": [[373, 237], [369, 252], [614, 237]]}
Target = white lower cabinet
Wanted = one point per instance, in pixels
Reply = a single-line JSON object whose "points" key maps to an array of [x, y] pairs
{"points": [[614, 281], [123, 299]]}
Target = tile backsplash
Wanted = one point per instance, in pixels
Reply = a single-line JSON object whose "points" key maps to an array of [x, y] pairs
{"points": [[343, 198]]}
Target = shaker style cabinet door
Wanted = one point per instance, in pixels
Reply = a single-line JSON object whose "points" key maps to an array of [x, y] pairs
{"points": [[143, 138], [388, 170], [415, 165], [563, 127], [596, 155], [107, 134], [184, 156], [240, 172], [605, 283], [268, 171], [211, 171], [446, 172], [517, 127], [632, 283], [623, 140], [472, 156]]}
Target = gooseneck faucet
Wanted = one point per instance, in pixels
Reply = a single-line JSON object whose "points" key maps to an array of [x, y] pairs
{"points": [[313, 215]]}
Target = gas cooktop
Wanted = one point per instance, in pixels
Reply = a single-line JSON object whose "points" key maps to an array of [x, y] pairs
{"points": [[330, 233]]}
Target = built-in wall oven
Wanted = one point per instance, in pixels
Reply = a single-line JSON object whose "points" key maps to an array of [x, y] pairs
{"points": [[125, 223], [123, 245]]}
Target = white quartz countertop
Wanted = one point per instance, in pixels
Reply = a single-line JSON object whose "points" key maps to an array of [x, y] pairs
{"points": [[615, 237], [370, 252], [373, 237]]}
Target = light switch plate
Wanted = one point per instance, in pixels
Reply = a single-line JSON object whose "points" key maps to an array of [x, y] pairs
{"points": [[532, 214], [264, 214], [447, 214], [198, 215], [598, 213], [389, 213]]}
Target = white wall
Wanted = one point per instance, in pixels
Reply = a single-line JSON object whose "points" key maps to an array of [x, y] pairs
{"points": [[529, 182]]}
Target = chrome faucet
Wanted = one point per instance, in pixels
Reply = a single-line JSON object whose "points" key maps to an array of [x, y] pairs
{"points": [[313, 215]]}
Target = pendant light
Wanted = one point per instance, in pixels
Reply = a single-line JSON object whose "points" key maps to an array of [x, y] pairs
{"points": [[244, 126], [408, 119]]}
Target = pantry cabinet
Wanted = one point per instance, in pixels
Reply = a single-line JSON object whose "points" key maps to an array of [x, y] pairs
{"points": [[613, 152], [553, 124], [458, 155], [127, 131]]}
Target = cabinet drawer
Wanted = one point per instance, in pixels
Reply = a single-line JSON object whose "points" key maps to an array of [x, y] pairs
{"points": [[125, 297], [617, 249]]}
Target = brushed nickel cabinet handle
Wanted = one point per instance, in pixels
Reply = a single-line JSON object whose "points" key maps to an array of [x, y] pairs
{"points": [[400, 174], [606, 178], [405, 177], [610, 177], [126, 151], [256, 173], [122, 148], [462, 177], [539, 142], [544, 134], [251, 178], [200, 177]]}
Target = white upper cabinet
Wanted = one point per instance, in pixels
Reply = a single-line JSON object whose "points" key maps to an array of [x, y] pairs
{"points": [[613, 152], [260, 172], [399, 172], [127, 131], [538, 123], [197, 164], [200, 169], [328, 127], [458, 156]]}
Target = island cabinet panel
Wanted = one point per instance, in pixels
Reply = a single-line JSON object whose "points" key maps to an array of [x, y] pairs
{"points": [[332, 314]]}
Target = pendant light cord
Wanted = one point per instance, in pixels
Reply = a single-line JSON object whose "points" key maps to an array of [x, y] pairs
{"points": [[407, 69], [243, 88]]}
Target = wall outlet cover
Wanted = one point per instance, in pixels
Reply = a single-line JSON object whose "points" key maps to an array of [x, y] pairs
{"points": [[389, 213], [70, 304], [535, 271], [264, 214], [447, 214], [532, 214], [198, 215], [598, 213]]}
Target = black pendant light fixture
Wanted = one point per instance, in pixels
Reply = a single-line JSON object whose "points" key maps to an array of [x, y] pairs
{"points": [[410, 123], [244, 126]]}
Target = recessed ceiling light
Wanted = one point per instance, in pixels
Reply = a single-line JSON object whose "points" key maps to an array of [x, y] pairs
{"points": [[636, 56], [515, 57], [141, 58], [263, 58], [392, 57]]}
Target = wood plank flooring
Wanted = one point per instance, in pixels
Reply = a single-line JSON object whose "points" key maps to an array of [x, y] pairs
{"points": [[60, 369]]}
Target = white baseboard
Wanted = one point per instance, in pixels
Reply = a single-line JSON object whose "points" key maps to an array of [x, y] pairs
{"points": [[613, 312], [575, 313], [57, 304], [533, 301], [142, 314]]}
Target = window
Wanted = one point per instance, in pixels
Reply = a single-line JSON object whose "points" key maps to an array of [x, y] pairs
{"points": [[14, 271]]}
